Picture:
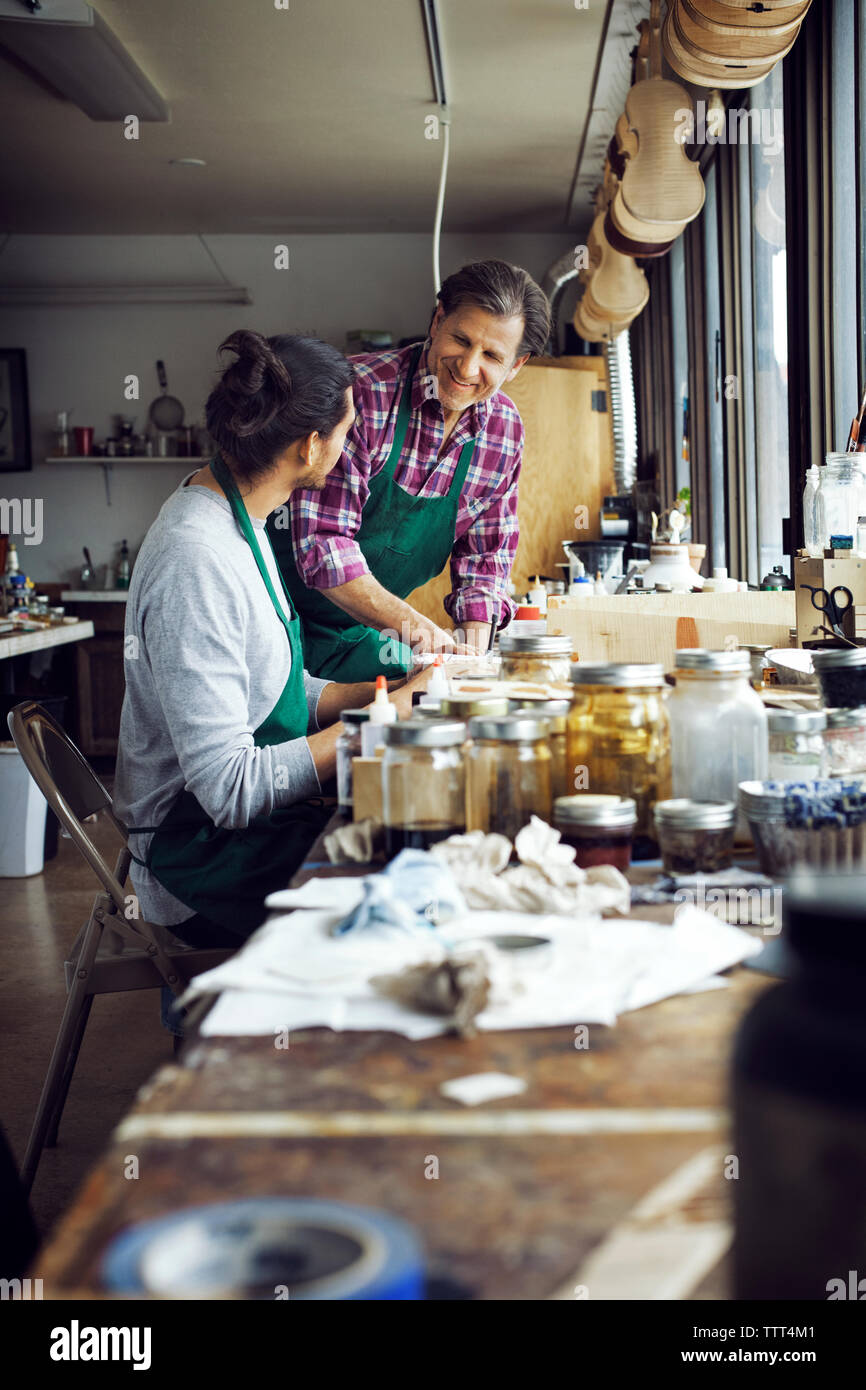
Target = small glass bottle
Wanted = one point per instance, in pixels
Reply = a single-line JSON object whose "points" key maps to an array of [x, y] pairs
{"points": [[423, 783], [811, 538], [508, 773], [796, 745], [121, 579], [348, 747]]}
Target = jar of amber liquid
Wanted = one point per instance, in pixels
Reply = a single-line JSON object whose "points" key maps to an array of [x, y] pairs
{"points": [[619, 740], [556, 714], [508, 767], [534, 658], [423, 783]]}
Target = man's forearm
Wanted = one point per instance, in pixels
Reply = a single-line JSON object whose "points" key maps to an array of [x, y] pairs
{"points": [[366, 600]]}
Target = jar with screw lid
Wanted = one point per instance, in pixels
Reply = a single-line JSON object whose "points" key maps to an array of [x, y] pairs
{"points": [[534, 658], [508, 773], [348, 747], [556, 714], [796, 744], [598, 828], [423, 783], [845, 742], [695, 836], [619, 739], [841, 673], [718, 727]]}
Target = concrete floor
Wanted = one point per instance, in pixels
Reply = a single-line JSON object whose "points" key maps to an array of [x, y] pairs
{"points": [[124, 1042]]}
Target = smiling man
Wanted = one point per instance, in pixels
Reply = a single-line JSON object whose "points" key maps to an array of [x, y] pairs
{"points": [[429, 470]]}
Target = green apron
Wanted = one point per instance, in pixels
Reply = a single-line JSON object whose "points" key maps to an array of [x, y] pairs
{"points": [[405, 541], [225, 874]]}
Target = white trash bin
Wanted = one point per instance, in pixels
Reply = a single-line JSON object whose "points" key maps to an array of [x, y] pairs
{"points": [[22, 817]]}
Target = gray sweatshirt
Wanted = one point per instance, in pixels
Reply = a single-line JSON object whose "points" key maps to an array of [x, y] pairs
{"points": [[206, 660]]}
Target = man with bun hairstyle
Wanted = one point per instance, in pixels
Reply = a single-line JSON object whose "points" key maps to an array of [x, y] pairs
{"points": [[429, 471]]}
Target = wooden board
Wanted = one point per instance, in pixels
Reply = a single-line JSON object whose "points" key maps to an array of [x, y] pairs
{"points": [[567, 462], [643, 627]]}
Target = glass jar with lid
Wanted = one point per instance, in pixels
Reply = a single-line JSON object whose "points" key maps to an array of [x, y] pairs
{"points": [[423, 783], [541, 658], [598, 828], [845, 742], [796, 744], [508, 773], [556, 714], [841, 673], [462, 704], [718, 727], [348, 747], [841, 498], [695, 836], [619, 739]]}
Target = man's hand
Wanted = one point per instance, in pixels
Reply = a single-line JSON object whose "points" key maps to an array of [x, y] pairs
{"points": [[425, 636], [365, 600]]}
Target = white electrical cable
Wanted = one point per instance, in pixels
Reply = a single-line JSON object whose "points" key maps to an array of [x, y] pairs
{"points": [[445, 122]]}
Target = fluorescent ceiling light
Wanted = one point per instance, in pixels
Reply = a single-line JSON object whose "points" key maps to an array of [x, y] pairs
{"points": [[58, 296], [435, 50], [70, 46]]}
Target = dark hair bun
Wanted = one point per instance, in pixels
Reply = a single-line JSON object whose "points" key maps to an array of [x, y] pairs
{"points": [[279, 390], [257, 386]]}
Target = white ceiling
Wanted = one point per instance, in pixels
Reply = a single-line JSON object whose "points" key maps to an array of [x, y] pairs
{"points": [[312, 119]]}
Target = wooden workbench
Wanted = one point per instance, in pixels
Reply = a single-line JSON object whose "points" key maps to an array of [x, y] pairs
{"points": [[527, 1187]]}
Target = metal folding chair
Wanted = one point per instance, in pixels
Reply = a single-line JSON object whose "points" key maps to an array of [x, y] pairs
{"points": [[113, 952]]}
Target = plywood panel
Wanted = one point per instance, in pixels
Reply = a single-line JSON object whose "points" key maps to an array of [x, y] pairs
{"points": [[567, 463]]}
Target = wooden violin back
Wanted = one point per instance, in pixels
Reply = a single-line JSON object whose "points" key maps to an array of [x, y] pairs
{"points": [[617, 289], [731, 74], [722, 18], [744, 46], [661, 185]]}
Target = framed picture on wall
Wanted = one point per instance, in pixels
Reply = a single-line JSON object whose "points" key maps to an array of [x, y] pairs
{"points": [[14, 412]]}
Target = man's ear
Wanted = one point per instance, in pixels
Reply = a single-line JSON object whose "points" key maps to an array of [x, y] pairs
{"points": [[436, 319], [518, 363]]}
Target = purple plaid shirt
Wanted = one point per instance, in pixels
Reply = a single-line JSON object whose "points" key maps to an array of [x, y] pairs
{"points": [[324, 524]]}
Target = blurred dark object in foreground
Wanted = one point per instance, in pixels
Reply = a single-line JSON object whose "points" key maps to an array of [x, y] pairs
{"points": [[799, 1097]]}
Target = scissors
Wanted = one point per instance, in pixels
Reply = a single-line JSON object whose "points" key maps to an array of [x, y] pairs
{"points": [[831, 604]]}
